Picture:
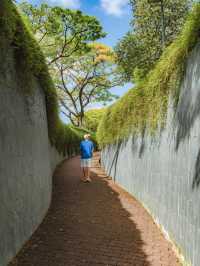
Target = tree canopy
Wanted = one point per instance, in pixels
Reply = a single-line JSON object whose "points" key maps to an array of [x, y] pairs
{"points": [[61, 32], [155, 24], [92, 118], [82, 69], [86, 79]]}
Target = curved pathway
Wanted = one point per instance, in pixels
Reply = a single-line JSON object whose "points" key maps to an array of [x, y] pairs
{"points": [[96, 223]]}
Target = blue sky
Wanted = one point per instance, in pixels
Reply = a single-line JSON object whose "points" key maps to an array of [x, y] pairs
{"points": [[114, 16]]}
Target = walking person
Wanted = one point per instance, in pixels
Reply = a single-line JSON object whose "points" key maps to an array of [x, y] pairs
{"points": [[86, 148]]}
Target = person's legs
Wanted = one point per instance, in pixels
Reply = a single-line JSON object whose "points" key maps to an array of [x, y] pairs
{"points": [[88, 174], [88, 170], [85, 165], [84, 176]]}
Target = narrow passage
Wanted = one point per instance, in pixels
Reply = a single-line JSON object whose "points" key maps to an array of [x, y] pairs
{"points": [[96, 223]]}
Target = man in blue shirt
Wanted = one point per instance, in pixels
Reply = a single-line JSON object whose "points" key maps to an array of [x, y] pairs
{"points": [[86, 148]]}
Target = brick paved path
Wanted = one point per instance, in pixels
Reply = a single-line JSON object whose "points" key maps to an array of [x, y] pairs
{"points": [[94, 224]]}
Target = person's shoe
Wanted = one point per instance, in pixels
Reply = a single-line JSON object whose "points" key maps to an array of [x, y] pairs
{"points": [[88, 179]]}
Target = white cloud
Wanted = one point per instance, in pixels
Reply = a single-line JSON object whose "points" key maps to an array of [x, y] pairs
{"points": [[114, 7], [64, 3]]}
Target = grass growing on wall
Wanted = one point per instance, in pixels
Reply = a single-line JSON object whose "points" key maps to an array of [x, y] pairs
{"points": [[30, 64], [145, 107]]}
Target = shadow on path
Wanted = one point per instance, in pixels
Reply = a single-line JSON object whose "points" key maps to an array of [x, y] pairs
{"points": [[94, 224]]}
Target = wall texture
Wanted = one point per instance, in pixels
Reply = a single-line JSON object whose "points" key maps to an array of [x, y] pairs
{"points": [[163, 172], [27, 160]]}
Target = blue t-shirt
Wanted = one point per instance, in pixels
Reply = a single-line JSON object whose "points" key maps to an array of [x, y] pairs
{"points": [[86, 148]]}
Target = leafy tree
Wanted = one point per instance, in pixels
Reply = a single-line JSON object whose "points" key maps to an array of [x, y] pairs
{"points": [[83, 71], [92, 118], [155, 25], [60, 32], [86, 79]]}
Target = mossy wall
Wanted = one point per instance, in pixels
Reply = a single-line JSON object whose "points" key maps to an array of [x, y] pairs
{"points": [[144, 107], [32, 137], [151, 141], [163, 171], [30, 64]]}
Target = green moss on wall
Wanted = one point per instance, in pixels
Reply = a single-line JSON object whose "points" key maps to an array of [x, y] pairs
{"points": [[30, 64], [145, 106]]}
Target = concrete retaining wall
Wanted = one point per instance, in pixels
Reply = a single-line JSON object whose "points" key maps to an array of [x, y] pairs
{"points": [[27, 161], [164, 172]]}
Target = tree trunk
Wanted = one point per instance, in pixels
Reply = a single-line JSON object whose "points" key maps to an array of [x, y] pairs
{"points": [[81, 119]]}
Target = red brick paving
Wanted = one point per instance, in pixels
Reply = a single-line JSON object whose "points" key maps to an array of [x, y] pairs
{"points": [[93, 224]]}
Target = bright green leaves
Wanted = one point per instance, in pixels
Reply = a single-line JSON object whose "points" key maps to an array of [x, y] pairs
{"points": [[61, 32], [145, 106], [92, 118], [155, 25], [82, 70]]}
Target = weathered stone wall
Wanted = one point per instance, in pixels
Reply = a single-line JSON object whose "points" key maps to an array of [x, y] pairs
{"points": [[27, 160], [163, 172]]}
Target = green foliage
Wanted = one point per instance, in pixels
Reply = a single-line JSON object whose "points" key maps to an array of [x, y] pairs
{"points": [[92, 118], [30, 64], [155, 25], [83, 71], [145, 107], [87, 78], [61, 32]]}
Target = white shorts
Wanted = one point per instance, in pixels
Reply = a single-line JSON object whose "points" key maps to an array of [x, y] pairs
{"points": [[86, 162]]}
